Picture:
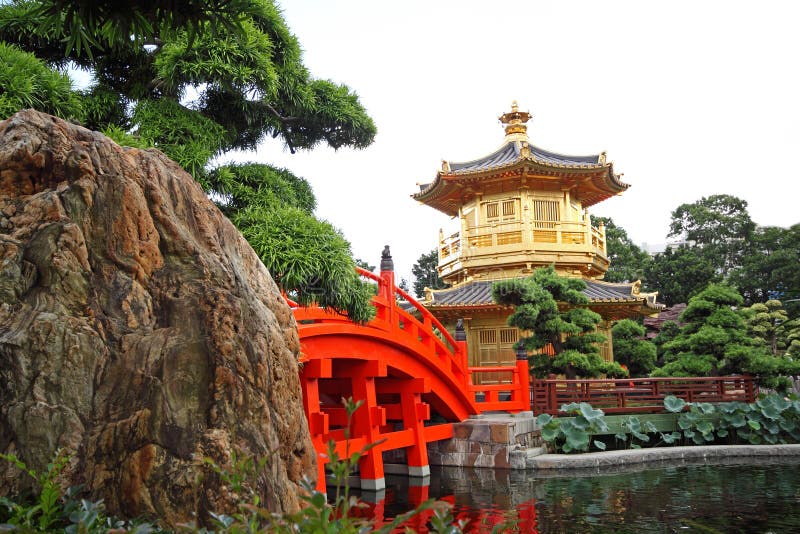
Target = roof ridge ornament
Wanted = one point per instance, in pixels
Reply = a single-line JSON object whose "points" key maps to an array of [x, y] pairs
{"points": [[514, 121]]}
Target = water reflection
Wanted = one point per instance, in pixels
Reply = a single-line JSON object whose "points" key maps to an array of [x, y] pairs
{"points": [[736, 496]]}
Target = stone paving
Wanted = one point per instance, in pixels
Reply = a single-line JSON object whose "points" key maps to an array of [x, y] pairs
{"points": [[658, 454]]}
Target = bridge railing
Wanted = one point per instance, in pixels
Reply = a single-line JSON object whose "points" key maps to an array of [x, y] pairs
{"points": [[426, 333], [502, 394], [631, 395]]}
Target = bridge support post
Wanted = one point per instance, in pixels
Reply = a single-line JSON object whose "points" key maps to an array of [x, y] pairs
{"points": [[367, 421], [415, 412], [318, 422]]}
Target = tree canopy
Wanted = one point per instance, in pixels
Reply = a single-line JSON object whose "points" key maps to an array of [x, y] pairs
{"points": [[425, 273], [719, 225], [571, 332], [715, 341], [679, 273], [628, 262], [195, 80]]}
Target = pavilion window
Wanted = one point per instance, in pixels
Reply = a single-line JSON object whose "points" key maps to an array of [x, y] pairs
{"points": [[546, 213], [509, 209]]}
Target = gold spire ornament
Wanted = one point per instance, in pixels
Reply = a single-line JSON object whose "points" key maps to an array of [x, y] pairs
{"points": [[515, 120]]}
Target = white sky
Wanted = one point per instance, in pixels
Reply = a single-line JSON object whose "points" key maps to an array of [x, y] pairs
{"points": [[688, 98]]}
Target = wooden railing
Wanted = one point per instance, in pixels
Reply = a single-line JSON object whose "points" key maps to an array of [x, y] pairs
{"points": [[638, 394], [506, 394]]}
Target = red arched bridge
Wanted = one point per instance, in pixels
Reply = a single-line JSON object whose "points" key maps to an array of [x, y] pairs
{"points": [[411, 375]]}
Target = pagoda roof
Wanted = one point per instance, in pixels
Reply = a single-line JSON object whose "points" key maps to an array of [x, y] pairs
{"points": [[511, 152], [478, 294], [591, 178]]}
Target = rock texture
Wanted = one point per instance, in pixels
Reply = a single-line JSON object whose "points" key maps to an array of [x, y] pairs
{"points": [[138, 330]]}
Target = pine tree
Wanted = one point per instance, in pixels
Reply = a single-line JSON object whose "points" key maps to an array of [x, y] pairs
{"points": [[631, 349], [714, 341], [571, 331], [244, 69], [425, 273]]}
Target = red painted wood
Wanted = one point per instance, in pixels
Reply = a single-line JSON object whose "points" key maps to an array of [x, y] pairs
{"points": [[638, 395], [401, 368]]}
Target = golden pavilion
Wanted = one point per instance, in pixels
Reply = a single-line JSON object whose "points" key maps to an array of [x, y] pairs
{"points": [[519, 208]]}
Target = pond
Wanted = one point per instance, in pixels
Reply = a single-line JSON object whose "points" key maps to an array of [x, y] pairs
{"points": [[737, 496]]}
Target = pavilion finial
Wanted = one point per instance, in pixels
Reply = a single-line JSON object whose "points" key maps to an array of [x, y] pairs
{"points": [[514, 122]]}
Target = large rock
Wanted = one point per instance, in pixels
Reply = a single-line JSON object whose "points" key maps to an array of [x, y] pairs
{"points": [[138, 330]]}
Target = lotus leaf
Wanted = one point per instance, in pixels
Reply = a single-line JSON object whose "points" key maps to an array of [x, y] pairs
{"points": [[674, 404]]}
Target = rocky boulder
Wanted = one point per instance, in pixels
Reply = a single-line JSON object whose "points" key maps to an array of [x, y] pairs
{"points": [[139, 331]]}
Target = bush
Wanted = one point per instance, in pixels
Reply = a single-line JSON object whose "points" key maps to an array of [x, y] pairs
{"points": [[772, 419], [26, 82]]}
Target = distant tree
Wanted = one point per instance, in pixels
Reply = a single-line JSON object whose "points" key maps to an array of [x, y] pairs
{"points": [[365, 265], [628, 261], [770, 266], [572, 332], [425, 274], [718, 225], [631, 349], [680, 272], [715, 341]]}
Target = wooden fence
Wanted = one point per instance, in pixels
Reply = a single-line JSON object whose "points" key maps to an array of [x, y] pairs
{"points": [[633, 395]]}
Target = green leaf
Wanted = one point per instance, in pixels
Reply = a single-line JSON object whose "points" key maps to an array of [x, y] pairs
{"points": [[674, 404], [543, 419], [599, 444], [705, 428]]}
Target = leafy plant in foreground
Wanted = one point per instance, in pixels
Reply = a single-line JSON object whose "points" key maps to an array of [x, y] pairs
{"points": [[632, 430], [574, 434], [49, 509]]}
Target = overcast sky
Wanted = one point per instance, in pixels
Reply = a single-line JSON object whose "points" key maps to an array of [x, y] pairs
{"points": [[688, 98]]}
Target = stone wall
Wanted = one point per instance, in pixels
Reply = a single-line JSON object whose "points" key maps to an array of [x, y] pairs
{"points": [[492, 440]]}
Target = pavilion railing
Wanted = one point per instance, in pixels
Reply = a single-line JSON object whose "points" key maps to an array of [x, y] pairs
{"points": [[632, 395]]}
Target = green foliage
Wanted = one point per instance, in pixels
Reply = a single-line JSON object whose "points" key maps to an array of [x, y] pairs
{"points": [[679, 273], [718, 225], [49, 509], [770, 266], [244, 67], [257, 185], [769, 325], [308, 258], [633, 433], [571, 332], [715, 341], [425, 273], [631, 349], [90, 27], [26, 82], [628, 262], [185, 136], [574, 434], [772, 419]]}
